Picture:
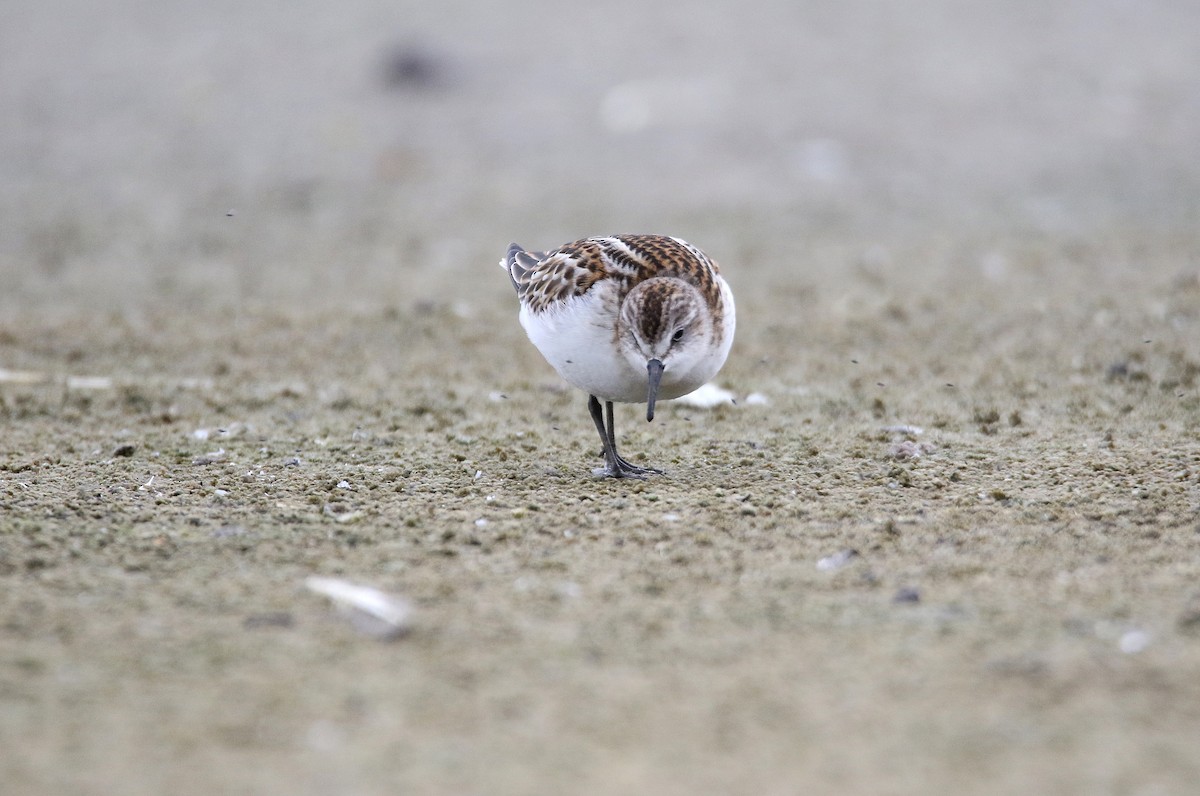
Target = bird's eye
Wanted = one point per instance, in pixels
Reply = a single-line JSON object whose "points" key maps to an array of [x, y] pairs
{"points": [[675, 338]]}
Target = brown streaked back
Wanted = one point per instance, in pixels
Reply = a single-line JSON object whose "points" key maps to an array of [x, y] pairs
{"points": [[543, 279]]}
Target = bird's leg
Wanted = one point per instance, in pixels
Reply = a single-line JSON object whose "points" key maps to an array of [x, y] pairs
{"points": [[612, 441], [610, 455], [614, 465]]}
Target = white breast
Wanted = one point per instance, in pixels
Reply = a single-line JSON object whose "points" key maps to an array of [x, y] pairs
{"points": [[577, 337]]}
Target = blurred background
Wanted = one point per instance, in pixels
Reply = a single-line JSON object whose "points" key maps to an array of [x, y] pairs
{"points": [[214, 153]]}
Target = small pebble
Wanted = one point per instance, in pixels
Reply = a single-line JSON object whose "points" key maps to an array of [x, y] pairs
{"points": [[910, 450], [270, 619], [411, 66], [211, 457], [1134, 642], [914, 431], [836, 561]]}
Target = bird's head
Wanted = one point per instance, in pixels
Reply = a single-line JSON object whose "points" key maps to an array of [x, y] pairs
{"points": [[665, 329]]}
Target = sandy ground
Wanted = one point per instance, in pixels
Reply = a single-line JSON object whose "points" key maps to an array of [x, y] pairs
{"points": [[251, 331]]}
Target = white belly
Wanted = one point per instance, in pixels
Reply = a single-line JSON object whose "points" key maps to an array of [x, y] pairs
{"points": [[578, 338]]}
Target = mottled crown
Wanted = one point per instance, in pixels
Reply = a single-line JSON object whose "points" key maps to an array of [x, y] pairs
{"points": [[663, 303]]}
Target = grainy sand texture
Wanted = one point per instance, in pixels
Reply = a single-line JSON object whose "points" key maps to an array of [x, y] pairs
{"points": [[252, 333]]}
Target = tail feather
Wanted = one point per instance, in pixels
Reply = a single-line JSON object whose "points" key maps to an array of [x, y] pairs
{"points": [[518, 262], [509, 261]]}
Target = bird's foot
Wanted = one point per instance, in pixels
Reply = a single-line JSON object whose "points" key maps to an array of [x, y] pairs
{"points": [[624, 469]]}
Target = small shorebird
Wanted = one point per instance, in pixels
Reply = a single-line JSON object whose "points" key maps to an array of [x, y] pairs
{"points": [[626, 318]]}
